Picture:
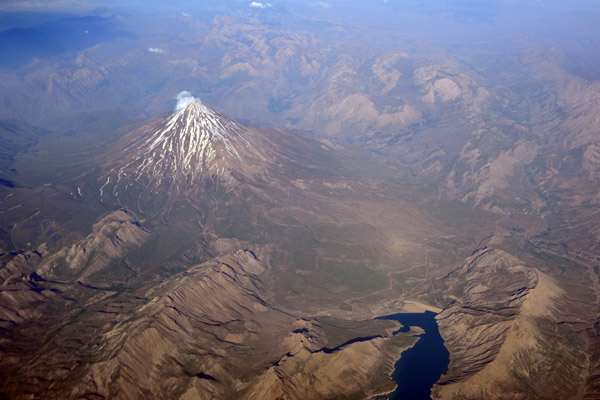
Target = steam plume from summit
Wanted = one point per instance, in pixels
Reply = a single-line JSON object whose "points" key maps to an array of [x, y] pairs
{"points": [[184, 98]]}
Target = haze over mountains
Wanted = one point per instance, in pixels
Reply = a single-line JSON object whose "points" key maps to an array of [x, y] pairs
{"points": [[317, 170]]}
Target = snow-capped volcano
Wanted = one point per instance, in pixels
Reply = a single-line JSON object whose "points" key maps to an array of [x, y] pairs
{"points": [[192, 141], [178, 152]]}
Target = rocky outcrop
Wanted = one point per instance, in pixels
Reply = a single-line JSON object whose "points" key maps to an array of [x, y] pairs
{"points": [[204, 333], [306, 374], [111, 238], [502, 333], [19, 295], [189, 338], [486, 180], [592, 382]]}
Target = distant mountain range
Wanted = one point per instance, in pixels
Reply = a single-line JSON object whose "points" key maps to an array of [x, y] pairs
{"points": [[241, 246]]}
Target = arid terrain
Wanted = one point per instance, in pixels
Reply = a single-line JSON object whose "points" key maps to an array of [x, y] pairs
{"points": [[218, 204]]}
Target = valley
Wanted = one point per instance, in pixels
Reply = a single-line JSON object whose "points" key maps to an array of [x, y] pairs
{"points": [[319, 174]]}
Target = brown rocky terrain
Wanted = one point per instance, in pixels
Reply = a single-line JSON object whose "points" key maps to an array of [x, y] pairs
{"points": [[189, 337], [161, 261], [122, 308], [111, 238], [508, 334]]}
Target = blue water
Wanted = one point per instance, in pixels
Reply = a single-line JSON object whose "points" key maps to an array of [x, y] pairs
{"points": [[422, 365]]}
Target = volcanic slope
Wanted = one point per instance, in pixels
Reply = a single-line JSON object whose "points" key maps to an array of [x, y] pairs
{"points": [[263, 217], [183, 148], [197, 150]]}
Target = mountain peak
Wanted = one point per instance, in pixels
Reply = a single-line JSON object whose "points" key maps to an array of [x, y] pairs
{"points": [[198, 139], [194, 106], [182, 149], [195, 110], [192, 140]]}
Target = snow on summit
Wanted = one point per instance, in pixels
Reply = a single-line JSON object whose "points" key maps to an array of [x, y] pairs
{"points": [[191, 143], [193, 140]]}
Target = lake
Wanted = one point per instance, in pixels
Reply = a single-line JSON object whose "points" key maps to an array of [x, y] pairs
{"points": [[422, 365]]}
